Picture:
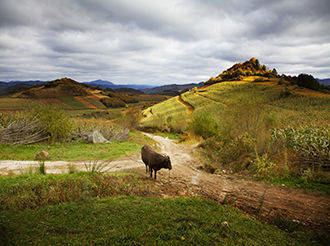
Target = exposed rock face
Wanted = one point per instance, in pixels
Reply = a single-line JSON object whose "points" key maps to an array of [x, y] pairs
{"points": [[96, 137], [43, 155]]}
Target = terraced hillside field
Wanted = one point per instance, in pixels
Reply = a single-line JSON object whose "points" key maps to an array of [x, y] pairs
{"points": [[293, 105]]}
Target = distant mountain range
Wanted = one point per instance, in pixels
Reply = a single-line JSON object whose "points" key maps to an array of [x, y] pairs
{"points": [[107, 84], [10, 87], [324, 81], [172, 87], [7, 88]]}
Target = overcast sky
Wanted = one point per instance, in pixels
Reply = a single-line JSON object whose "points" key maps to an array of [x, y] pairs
{"points": [[160, 42]]}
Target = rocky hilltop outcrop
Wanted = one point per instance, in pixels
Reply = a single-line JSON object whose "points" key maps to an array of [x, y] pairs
{"points": [[251, 67]]}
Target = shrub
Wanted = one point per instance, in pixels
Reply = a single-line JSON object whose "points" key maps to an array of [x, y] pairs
{"points": [[54, 122], [262, 166], [308, 81], [204, 125], [130, 119], [112, 102], [108, 129]]}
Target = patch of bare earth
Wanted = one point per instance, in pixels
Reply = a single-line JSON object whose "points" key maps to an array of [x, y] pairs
{"points": [[309, 208], [187, 105]]}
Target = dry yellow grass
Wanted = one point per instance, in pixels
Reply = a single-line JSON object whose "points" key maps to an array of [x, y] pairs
{"points": [[303, 107]]}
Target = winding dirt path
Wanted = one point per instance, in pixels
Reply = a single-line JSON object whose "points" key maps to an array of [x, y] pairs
{"points": [[187, 105], [309, 208], [185, 179]]}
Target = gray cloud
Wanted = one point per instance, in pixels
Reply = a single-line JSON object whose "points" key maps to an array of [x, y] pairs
{"points": [[155, 42]]}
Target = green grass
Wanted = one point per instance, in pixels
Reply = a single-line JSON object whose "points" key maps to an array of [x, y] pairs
{"points": [[37, 190], [73, 102], [170, 113], [299, 183], [142, 221], [95, 102], [9, 103], [121, 208], [71, 151], [293, 110]]}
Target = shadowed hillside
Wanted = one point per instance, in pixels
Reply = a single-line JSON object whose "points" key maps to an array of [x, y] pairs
{"points": [[70, 94], [56, 88]]}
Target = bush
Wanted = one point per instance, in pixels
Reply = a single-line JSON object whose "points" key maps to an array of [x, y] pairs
{"points": [[54, 122], [108, 129], [308, 81], [204, 125], [112, 102], [262, 166]]}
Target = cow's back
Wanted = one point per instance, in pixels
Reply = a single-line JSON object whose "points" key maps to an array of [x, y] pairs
{"points": [[149, 156]]}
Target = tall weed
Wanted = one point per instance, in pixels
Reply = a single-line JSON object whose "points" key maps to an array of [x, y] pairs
{"points": [[54, 122]]}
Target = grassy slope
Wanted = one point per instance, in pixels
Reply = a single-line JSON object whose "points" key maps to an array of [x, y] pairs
{"points": [[165, 111], [75, 151], [68, 102], [69, 209], [294, 109]]}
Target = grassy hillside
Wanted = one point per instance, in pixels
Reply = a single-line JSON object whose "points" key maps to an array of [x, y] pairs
{"points": [[290, 104], [271, 129], [70, 95]]}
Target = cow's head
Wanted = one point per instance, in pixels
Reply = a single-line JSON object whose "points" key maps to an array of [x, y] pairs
{"points": [[167, 162]]}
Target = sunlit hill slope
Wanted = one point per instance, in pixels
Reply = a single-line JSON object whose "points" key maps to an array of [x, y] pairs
{"points": [[242, 85]]}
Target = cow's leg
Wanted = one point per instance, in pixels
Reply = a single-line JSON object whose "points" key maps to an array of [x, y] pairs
{"points": [[155, 174], [146, 168], [150, 169]]}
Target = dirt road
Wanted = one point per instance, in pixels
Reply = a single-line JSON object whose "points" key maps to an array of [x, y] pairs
{"points": [[310, 208]]}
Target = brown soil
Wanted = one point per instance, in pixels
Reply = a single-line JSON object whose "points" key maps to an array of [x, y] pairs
{"points": [[307, 207], [187, 105]]}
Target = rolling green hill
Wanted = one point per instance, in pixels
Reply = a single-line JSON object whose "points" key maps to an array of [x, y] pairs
{"points": [[291, 104], [71, 95], [247, 83], [268, 126]]}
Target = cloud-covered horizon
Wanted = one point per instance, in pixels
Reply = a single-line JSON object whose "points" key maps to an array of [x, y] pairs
{"points": [[160, 42]]}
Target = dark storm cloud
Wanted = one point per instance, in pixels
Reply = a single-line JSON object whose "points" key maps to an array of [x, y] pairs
{"points": [[175, 41]]}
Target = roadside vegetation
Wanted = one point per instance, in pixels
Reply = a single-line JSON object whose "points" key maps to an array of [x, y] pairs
{"points": [[117, 208], [48, 128], [274, 132]]}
